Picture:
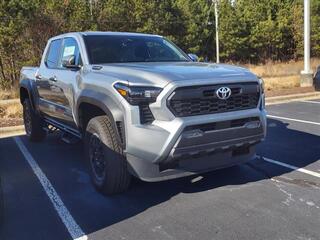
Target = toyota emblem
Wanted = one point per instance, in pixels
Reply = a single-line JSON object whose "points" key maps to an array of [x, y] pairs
{"points": [[223, 93]]}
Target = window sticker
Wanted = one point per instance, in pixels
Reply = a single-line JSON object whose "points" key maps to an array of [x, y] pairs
{"points": [[69, 51]]}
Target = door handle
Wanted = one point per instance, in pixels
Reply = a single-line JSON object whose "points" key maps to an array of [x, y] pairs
{"points": [[38, 77], [53, 79]]}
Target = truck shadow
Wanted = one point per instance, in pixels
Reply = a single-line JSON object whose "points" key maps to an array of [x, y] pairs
{"points": [[282, 144]]}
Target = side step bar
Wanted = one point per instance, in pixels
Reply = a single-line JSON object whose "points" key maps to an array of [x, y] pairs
{"points": [[68, 133]]}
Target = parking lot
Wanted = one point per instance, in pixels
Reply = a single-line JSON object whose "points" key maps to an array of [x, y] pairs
{"points": [[48, 194]]}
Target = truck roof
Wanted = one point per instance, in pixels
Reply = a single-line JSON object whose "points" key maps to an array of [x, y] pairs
{"points": [[116, 33], [94, 33]]}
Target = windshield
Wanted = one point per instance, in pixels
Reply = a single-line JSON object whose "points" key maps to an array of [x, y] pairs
{"points": [[123, 49]]}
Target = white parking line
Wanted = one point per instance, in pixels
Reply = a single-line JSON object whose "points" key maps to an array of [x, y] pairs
{"points": [[314, 174], [306, 101], [69, 222], [292, 119]]}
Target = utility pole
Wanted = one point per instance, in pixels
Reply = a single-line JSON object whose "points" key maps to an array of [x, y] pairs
{"points": [[90, 2], [306, 74], [216, 13]]}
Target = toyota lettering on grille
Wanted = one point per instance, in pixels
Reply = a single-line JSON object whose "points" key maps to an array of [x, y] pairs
{"points": [[223, 93]]}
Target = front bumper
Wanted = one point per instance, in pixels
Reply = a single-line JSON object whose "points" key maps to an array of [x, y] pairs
{"points": [[152, 172], [167, 148]]}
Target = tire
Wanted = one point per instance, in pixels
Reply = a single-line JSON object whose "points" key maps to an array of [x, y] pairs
{"points": [[106, 161], [33, 124]]}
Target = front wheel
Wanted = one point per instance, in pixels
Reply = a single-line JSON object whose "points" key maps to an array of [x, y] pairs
{"points": [[107, 163], [33, 124]]}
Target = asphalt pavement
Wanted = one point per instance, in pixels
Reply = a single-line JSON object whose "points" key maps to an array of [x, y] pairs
{"points": [[48, 194]]}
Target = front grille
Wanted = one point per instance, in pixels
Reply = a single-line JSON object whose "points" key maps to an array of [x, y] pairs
{"points": [[145, 114], [192, 101]]}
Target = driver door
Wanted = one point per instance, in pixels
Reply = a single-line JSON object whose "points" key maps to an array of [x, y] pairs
{"points": [[65, 82]]}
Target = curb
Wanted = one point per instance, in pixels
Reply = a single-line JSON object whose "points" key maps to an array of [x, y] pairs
{"points": [[291, 98], [11, 131]]}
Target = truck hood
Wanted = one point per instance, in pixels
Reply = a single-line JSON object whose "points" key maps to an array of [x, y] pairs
{"points": [[161, 74]]}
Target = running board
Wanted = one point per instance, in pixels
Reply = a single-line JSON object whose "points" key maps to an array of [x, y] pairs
{"points": [[50, 129], [56, 125]]}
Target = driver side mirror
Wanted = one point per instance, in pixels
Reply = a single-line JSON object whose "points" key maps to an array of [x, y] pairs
{"points": [[193, 57], [70, 62]]}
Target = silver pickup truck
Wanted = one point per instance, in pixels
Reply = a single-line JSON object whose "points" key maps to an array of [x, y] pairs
{"points": [[142, 106]]}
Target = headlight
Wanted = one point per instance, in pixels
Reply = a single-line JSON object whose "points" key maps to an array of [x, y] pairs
{"points": [[261, 83], [263, 103], [136, 95]]}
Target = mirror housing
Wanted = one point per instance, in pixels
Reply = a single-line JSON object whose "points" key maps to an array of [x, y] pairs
{"points": [[69, 62], [193, 57]]}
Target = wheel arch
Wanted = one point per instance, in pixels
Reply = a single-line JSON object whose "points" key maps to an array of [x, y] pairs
{"points": [[26, 91], [91, 104]]}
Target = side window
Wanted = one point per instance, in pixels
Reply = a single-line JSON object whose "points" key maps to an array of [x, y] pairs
{"points": [[71, 48], [53, 54]]}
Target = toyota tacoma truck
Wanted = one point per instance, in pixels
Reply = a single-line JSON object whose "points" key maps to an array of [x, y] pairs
{"points": [[142, 107]]}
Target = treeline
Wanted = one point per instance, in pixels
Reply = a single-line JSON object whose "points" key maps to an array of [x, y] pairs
{"points": [[250, 30]]}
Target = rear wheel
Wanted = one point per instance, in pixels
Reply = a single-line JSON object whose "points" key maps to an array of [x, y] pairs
{"points": [[107, 163], [32, 122]]}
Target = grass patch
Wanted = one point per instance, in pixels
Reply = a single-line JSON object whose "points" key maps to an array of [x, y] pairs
{"points": [[10, 114], [9, 94], [11, 111], [279, 75], [274, 69], [285, 82]]}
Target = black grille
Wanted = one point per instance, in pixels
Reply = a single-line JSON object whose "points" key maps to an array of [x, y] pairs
{"points": [[145, 114], [202, 100]]}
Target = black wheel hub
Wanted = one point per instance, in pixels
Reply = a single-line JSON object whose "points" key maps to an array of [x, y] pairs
{"points": [[97, 158]]}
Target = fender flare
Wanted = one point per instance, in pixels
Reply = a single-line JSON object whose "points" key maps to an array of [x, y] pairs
{"points": [[103, 101], [32, 93]]}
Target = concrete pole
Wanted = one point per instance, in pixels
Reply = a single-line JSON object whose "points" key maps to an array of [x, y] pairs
{"points": [[90, 2], [216, 13], [306, 74]]}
